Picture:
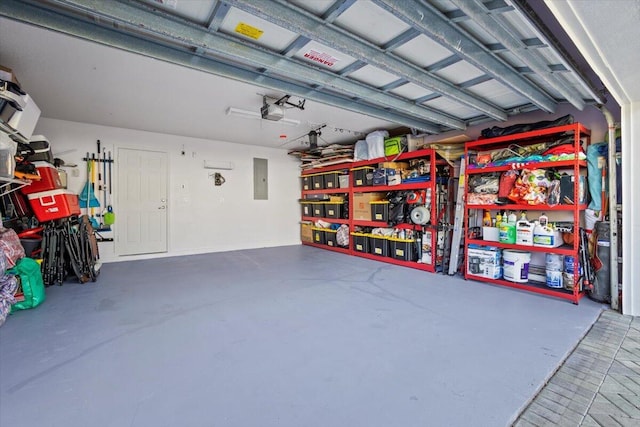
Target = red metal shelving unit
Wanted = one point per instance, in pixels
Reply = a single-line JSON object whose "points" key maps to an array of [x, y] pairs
{"points": [[579, 132], [426, 154]]}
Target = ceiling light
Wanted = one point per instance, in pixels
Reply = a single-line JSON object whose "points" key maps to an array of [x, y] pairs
{"points": [[233, 111]]}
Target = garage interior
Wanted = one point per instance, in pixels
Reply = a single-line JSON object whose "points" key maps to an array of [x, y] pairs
{"points": [[208, 310]]}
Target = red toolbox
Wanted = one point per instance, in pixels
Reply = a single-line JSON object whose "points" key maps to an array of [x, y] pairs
{"points": [[49, 179], [54, 204]]}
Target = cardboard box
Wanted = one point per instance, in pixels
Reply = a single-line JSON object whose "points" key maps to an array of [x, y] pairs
{"points": [[394, 165], [484, 261], [362, 204], [306, 232], [490, 234]]}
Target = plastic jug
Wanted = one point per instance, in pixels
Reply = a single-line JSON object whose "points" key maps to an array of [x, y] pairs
{"points": [[524, 232], [507, 232]]}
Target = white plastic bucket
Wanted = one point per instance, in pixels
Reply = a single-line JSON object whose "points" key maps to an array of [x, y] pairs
{"points": [[516, 265], [554, 266]]}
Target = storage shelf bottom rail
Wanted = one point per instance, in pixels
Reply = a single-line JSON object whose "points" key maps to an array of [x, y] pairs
{"points": [[330, 248], [388, 260], [535, 287]]}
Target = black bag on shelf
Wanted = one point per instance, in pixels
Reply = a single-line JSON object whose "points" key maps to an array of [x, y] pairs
{"points": [[525, 127]]}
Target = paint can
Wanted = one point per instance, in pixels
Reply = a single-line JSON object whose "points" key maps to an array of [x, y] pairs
{"points": [[553, 269]]}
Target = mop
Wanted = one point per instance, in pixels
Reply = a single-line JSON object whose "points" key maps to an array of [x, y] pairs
{"points": [[87, 198]]}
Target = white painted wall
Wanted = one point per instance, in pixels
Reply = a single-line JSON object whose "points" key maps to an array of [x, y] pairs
{"points": [[202, 217]]}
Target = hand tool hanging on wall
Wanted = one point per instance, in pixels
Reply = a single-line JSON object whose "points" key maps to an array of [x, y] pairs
{"points": [[109, 216], [93, 220], [87, 198]]}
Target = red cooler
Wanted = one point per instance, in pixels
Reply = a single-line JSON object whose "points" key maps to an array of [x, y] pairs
{"points": [[54, 204], [49, 179]]}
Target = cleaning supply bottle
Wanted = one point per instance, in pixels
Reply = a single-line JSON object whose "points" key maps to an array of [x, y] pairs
{"points": [[486, 221], [507, 229], [498, 219], [524, 231]]}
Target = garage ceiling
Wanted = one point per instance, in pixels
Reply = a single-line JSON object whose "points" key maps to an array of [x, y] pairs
{"points": [[354, 65]]}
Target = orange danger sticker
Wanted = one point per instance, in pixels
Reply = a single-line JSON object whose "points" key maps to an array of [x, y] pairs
{"points": [[248, 30]]}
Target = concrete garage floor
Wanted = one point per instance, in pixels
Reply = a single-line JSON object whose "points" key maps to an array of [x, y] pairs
{"points": [[288, 336]]}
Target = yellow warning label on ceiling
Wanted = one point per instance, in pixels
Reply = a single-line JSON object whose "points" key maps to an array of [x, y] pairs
{"points": [[248, 30]]}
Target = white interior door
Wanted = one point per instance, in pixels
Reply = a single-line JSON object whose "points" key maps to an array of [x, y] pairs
{"points": [[142, 202]]}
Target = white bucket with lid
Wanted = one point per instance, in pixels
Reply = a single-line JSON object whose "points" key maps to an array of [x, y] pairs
{"points": [[516, 265]]}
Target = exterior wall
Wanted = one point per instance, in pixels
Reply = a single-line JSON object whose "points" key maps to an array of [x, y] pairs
{"points": [[630, 204]]}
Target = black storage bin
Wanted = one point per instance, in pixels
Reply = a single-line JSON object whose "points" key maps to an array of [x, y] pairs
{"points": [[332, 180], [319, 236], [362, 177], [330, 237], [380, 210], [378, 245], [318, 209], [333, 209], [317, 182], [41, 150], [306, 182], [402, 249], [360, 242], [307, 208]]}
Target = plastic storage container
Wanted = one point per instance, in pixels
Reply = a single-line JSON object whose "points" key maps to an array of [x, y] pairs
{"points": [[333, 209], [306, 208], [363, 177], [403, 249], [7, 156], [378, 245], [318, 209], [360, 242], [319, 236], [49, 179], [54, 204], [380, 210], [330, 237], [41, 149], [317, 182]]}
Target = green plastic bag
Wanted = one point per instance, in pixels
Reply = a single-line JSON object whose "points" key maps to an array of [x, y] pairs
{"points": [[32, 284]]}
